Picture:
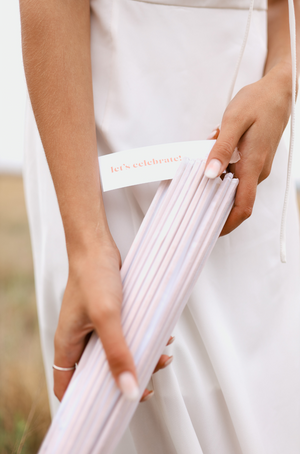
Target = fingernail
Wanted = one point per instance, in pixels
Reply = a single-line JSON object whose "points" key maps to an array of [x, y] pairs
{"points": [[128, 386], [148, 397], [168, 362], [212, 134], [171, 340], [236, 156], [213, 169], [215, 133]]}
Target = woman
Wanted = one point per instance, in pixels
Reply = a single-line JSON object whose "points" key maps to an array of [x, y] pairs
{"points": [[109, 75]]}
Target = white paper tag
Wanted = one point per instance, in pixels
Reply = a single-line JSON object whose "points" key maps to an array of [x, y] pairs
{"points": [[148, 164]]}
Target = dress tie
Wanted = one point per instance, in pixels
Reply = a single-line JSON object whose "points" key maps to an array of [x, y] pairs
{"points": [[292, 24]]}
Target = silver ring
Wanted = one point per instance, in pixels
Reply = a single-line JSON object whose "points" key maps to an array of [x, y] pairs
{"points": [[64, 369]]}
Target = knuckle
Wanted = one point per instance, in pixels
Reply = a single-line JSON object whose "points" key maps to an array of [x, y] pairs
{"points": [[231, 115], [260, 162], [246, 212], [265, 173], [227, 147], [61, 341], [117, 359], [104, 314]]}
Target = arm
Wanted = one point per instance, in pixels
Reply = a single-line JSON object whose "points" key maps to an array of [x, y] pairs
{"points": [[279, 51], [246, 121], [57, 61], [56, 51]]}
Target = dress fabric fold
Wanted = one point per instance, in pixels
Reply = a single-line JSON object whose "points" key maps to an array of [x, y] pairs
{"points": [[162, 71]]}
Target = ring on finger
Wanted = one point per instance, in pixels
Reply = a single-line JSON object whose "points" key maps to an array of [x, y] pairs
{"points": [[64, 369]]}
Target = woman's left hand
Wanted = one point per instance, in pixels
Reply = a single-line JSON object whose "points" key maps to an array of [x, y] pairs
{"points": [[254, 122], [163, 362]]}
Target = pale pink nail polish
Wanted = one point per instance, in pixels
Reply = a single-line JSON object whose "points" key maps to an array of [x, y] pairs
{"points": [[168, 362], [128, 386], [215, 133], [213, 169], [148, 397], [212, 134], [171, 340]]}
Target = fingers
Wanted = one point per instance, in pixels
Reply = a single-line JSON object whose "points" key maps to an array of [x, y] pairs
{"points": [[69, 344], [109, 329], [171, 340], [163, 362], [147, 395], [92, 301], [233, 127], [66, 355], [236, 127], [105, 314], [242, 209], [61, 382], [245, 198], [214, 134]]}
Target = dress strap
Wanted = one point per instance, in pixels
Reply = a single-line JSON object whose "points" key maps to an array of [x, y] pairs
{"points": [[292, 23], [237, 68]]}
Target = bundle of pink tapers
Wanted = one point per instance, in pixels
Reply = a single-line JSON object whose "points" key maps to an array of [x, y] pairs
{"points": [[172, 245]]}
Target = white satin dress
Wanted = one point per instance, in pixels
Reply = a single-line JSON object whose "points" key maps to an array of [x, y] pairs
{"points": [[162, 71]]}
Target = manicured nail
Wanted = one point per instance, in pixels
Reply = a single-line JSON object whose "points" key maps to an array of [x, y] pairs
{"points": [[236, 156], [215, 133], [128, 386], [212, 134], [148, 397], [171, 340], [168, 362], [213, 169]]}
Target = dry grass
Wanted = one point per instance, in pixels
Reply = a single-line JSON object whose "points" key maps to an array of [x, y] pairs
{"points": [[24, 410]]}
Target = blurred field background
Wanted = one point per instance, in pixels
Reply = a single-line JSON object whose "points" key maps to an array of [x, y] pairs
{"points": [[24, 410]]}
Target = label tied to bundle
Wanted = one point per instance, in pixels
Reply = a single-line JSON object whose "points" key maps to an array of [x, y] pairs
{"points": [[148, 164]]}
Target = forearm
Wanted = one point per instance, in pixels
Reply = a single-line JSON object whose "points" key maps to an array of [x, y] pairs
{"points": [[56, 52], [279, 51]]}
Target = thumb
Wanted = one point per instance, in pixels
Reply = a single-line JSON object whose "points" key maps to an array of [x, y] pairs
{"points": [[109, 329], [226, 143]]}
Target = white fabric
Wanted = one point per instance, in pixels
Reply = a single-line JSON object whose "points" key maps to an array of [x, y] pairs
{"points": [[292, 24], [162, 73]]}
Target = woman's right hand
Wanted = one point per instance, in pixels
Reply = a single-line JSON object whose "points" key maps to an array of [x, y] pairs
{"points": [[57, 60], [92, 301]]}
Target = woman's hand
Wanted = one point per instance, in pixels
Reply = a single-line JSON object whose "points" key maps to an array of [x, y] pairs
{"points": [[254, 122], [92, 301]]}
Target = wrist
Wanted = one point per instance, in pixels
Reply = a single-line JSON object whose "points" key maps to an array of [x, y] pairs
{"points": [[92, 253], [279, 80], [281, 73], [88, 240]]}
